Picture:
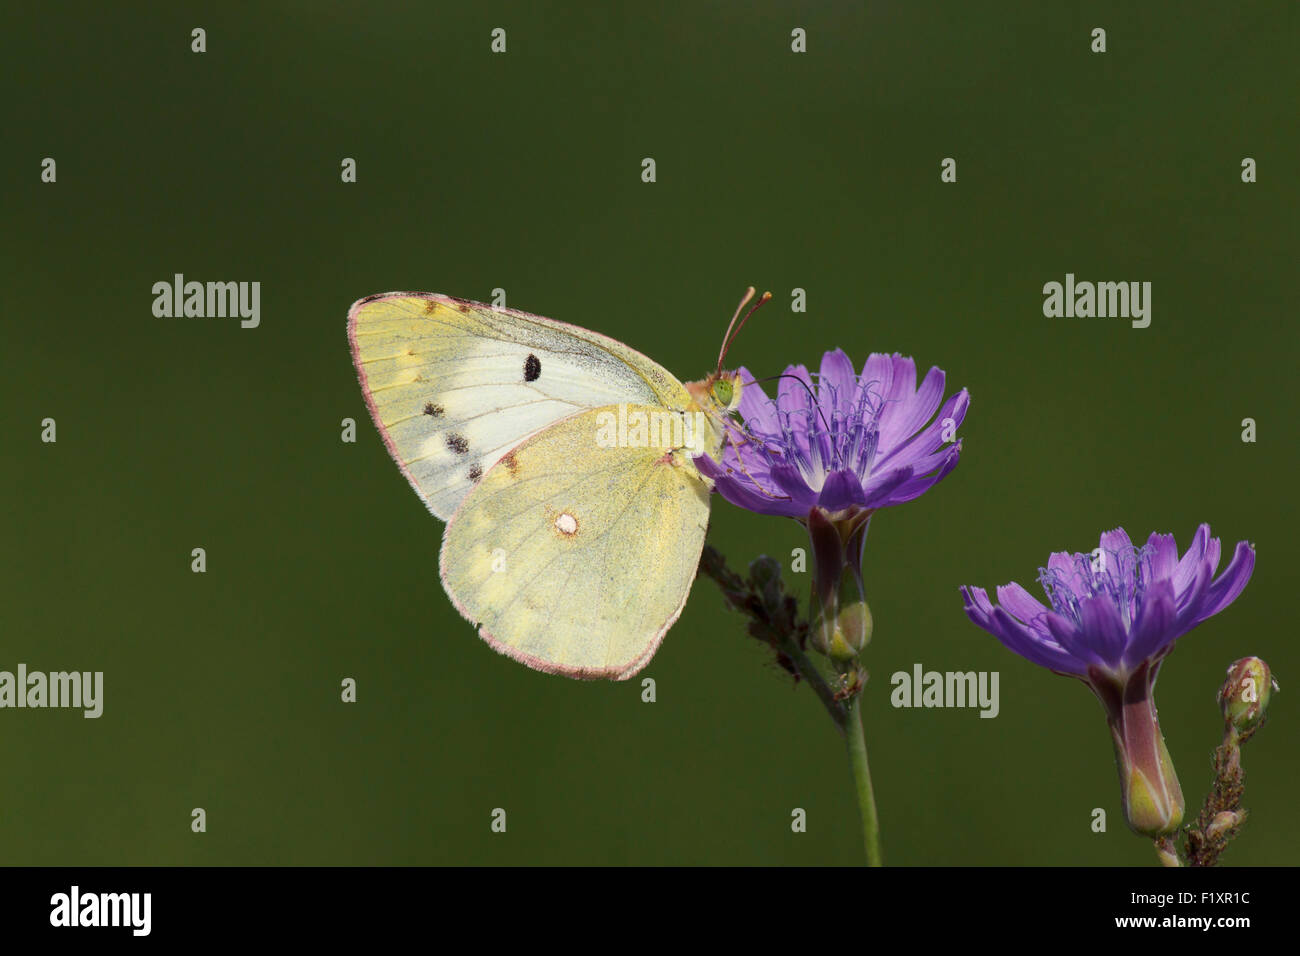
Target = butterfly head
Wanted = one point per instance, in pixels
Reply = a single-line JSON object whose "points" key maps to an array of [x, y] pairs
{"points": [[717, 396], [714, 402]]}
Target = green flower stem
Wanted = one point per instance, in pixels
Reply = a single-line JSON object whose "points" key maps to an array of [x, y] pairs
{"points": [[857, 742], [809, 673], [1222, 815], [775, 621]]}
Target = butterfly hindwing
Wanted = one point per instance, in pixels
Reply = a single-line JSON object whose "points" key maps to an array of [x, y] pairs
{"points": [[454, 385], [575, 558]]}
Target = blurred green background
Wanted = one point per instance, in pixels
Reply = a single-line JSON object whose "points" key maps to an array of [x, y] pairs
{"points": [[522, 171]]}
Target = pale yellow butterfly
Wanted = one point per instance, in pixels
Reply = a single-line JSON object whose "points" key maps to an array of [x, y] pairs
{"points": [[561, 461]]}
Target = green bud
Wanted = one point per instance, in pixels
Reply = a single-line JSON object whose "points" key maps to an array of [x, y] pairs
{"points": [[853, 623], [765, 573], [1244, 696], [843, 624]]}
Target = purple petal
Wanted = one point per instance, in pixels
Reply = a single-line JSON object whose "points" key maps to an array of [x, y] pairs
{"points": [[1153, 630], [977, 599], [928, 464], [743, 461], [902, 379], [790, 481], [1033, 648], [920, 484], [841, 490], [1163, 552], [1021, 603], [925, 442], [795, 391], [743, 493], [1117, 556], [1016, 637], [1116, 541], [1101, 626], [877, 377], [758, 411], [837, 385], [881, 490], [1186, 571], [901, 421], [1069, 635], [1231, 582], [1190, 601]]}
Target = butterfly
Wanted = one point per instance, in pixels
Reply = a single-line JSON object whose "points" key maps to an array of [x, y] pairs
{"points": [[562, 462]]}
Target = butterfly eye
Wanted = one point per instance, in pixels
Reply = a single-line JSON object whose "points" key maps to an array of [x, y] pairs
{"points": [[726, 392], [723, 392]]}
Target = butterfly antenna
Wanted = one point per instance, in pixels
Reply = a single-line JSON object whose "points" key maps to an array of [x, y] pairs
{"points": [[722, 353], [812, 399], [731, 335]]}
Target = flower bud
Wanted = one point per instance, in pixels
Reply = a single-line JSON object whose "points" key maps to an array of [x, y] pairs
{"points": [[853, 622], [1224, 821], [1244, 696]]}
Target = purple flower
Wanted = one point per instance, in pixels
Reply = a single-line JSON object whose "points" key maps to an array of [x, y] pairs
{"points": [[1116, 608], [831, 455], [850, 443], [1114, 615]]}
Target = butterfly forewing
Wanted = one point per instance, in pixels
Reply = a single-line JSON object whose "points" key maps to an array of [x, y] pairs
{"points": [[454, 385]]}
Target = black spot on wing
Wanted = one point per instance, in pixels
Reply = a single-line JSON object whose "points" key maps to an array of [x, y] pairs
{"points": [[532, 368], [458, 443], [435, 410], [475, 473]]}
